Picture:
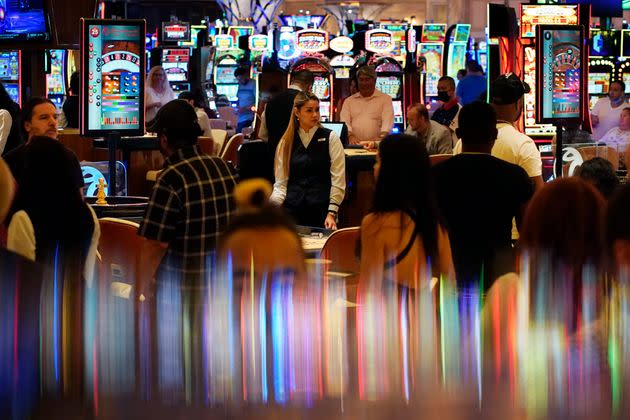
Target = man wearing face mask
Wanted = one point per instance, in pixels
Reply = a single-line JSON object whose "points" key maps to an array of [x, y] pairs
{"points": [[506, 96], [447, 112], [607, 111]]}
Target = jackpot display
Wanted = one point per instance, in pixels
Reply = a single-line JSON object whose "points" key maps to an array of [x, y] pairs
{"points": [[113, 76], [175, 32], [560, 73], [533, 15], [175, 63]]}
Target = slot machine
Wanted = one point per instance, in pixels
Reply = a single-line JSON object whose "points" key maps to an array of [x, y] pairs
{"points": [[531, 16], [56, 80], [457, 38], [390, 78], [10, 66], [227, 58], [623, 65], [431, 53], [176, 62], [311, 43], [399, 33]]}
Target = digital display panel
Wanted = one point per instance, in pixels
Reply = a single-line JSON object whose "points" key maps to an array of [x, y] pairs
{"points": [[342, 72], [9, 65], [321, 87], [462, 33], [230, 91], [456, 58], [287, 46], [432, 53], [433, 32], [113, 76], [389, 85], [302, 21], [194, 31], [598, 83], [175, 63], [529, 77], [625, 43], [238, 31], [312, 40], [533, 15], [324, 110], [225, 74], [24, 21], [379, 41], [175, 31], [626, 80], [604, 44], [398, 112], [13, 89], [560, 73]]}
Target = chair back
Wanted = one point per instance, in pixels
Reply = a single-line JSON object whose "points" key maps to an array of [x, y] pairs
{"points": [[340, 250], [218, 124], [206, 145], [435, 159], [230, 151], [219, 137], [228, 114]]}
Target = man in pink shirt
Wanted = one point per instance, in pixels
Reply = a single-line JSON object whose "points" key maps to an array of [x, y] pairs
{"points": [[369, 113]]}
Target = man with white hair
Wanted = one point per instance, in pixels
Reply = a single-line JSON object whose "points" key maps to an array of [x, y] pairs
{"points": [[369, 113]]}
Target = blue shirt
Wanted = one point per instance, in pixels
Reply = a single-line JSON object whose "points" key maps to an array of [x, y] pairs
{"points": [[246, 97], [470, 88]]}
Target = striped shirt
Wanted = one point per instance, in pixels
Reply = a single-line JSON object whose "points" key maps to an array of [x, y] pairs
{"points": [[190, 206]]}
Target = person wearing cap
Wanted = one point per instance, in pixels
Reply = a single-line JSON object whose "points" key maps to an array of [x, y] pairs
{"points": [[606, 113], [470, 88], [506, 94], [480, 234], [202, 117], [369, 113], [191, 202]]}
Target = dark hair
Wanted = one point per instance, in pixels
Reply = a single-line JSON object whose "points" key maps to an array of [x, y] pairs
{"points": [[49, 195], [473, 65], [477, 124], [303, 77], [404, 184], [27, 112], [421, 109], [75, 83], [463, 72], [601, 174], [448, 79], [617, 217], [620, 83], [240, 71], [186, 95]]}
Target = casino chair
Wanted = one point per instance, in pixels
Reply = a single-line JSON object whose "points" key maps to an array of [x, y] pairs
{"points": [[206, 145], [219, 137], [252, 160], [123, 309], [230, 115], [230, 151], [340, 249], [435, 159], [217, 124]]}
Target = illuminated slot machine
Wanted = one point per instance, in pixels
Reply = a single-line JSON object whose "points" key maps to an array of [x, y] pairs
{"points": [[176, 62], [310, 44], [399, 33], [259, 46], [302, 21], [10, 65], [226, 62], [531, 17], [56, 81], [457, 38], [601, 71], [481, 55], [430, 56], [194, 32], [390, 81], [623, 65]]}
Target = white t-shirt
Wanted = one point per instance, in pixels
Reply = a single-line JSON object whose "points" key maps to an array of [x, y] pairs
{"points": [[514, 147], [617, 138], [5, 128], [152, 97], [608, 117]]}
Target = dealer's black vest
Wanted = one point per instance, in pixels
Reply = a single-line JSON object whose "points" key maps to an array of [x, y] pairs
{"points": [[309, 172]]}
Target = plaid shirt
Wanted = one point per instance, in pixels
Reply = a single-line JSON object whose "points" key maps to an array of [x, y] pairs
{"points": [[190, 205]]}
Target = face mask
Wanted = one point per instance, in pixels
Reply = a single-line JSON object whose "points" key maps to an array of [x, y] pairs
{"points": [[443, 96]]}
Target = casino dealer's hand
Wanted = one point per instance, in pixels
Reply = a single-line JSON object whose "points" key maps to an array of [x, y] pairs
{"points": [[330, 222]]}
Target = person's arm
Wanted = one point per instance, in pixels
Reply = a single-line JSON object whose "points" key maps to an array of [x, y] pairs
{"points": [[5, 128], [21, 236], [337, 179], [280, 186], [530, 160], [387, 122], [445, 142], [263, 133], [595, 114], [346, 117]]}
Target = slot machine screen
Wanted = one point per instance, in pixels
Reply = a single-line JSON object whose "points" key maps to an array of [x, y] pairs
{"points": [[13, 89], [175, 63], [389, 85], [225, 74], [456, 59], [230, 91], [9, 65], [24, 21], [175, 31], [626, 80], [604, 44], [324, 110], [598, 83], [560, 75], [113, 77], [321, 87], [432, 53], [342, 72]]}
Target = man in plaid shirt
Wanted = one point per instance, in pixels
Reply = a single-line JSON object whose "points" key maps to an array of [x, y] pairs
{"points": [[192, 199]]}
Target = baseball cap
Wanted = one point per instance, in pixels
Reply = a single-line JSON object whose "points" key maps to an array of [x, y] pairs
{"points": [[507, 89], [177, 116]]}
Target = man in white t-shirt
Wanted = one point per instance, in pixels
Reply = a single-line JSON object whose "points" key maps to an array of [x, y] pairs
{"points": [[506, 95], [607, 111]]}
